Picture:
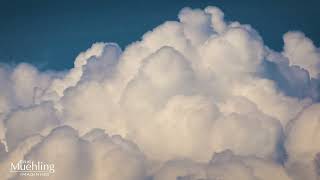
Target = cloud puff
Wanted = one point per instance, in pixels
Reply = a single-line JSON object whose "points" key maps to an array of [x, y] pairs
{"points": [[301, 51], [197, 98], [302, 143], [224, 165]]}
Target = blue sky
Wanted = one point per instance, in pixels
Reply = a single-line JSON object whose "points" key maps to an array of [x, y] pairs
{"points": [[50, 33]]}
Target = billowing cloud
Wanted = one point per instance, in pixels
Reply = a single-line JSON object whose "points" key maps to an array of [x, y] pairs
{"points": [[197, 98]]}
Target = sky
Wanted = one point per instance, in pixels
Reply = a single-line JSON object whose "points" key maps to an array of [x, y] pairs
{"points": [[50, 33], [170, 90]]}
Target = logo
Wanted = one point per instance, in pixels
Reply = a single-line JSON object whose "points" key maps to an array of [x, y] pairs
{"points": [[32, 168]]}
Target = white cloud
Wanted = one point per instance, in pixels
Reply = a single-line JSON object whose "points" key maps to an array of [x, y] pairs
{"points": [[187, 90], [301, 51]]}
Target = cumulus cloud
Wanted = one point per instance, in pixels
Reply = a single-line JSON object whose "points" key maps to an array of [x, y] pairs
{"points": [[197, 98]]}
